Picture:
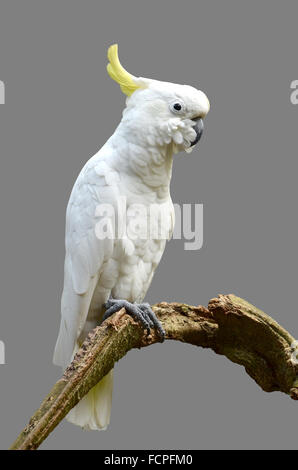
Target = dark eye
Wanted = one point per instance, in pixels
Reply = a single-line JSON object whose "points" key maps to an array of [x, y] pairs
{"points": [[177, 106]]}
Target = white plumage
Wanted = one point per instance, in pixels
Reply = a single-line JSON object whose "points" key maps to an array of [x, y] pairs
{"points": [[133, 168]]}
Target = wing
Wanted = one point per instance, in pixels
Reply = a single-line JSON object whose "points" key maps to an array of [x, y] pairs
{"points": [[86, 250]]}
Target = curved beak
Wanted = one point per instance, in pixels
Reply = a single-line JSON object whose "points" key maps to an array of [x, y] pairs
{"points": [[198, 127]]}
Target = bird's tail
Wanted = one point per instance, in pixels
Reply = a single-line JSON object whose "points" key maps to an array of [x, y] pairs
{"points": [[94, 410]]}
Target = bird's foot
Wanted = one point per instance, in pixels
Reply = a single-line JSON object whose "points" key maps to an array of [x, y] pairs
{"points": [[140, 312]]}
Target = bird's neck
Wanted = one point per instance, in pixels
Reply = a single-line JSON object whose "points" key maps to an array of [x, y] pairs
{"points": [[148, 163]]}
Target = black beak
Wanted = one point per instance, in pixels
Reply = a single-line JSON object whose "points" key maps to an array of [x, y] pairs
{"points": [[198, 127]]}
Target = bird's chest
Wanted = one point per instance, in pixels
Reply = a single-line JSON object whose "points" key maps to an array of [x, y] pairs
{"points": [[138, 249], [136, 263]]}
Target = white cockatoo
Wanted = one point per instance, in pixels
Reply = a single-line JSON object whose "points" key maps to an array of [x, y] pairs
{"points": [[120, 192]]}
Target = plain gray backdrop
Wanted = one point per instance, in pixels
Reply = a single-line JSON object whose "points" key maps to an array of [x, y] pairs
{"points": [[60, 108]]}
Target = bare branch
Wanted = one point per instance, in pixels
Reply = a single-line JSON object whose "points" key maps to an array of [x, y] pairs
{"points": [[230, 326]]}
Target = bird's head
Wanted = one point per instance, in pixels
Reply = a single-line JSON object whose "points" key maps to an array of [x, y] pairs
{"points": [[160, 112]]}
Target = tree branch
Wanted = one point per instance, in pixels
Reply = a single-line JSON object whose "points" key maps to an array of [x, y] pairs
{"points": [[230, 326]]}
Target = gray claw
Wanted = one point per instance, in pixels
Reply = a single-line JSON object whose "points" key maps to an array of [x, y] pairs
{"points": [[154, 322], [140, 312], [113, 305]]}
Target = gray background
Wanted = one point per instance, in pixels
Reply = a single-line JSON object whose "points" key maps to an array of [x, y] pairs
{"points": [[60, 108]]}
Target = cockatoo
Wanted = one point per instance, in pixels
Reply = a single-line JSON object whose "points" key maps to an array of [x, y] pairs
{"points": [[130, 173]]}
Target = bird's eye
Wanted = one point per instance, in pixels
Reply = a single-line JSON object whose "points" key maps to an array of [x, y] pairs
{"points": [[177, 107]]}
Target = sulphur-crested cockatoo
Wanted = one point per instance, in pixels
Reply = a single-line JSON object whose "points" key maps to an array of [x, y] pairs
{"points": [[120, 215]]}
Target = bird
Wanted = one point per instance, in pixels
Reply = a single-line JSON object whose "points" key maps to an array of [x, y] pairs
{"points": [[119, 217]]}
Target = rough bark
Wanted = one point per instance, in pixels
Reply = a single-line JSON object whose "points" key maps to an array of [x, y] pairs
{"points": [[230, 326]]}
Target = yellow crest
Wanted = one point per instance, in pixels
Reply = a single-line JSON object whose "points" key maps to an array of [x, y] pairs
{"points": [[118, 73]]}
